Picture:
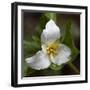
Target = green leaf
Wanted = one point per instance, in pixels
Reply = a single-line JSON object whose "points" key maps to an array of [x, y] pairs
{"points": [[31, 44], [36, 39], [55, 67], [30, 48], [51, 15], [28, 71], [41, 26], [68, 40], [43, 21], [50, 72]]}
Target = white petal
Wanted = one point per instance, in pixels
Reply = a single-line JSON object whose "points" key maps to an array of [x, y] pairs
{"points": [[38, 61], [50, 33], [63, 56]]}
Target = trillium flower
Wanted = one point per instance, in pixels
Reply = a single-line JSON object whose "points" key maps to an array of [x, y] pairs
{"points": [[52, 50]]}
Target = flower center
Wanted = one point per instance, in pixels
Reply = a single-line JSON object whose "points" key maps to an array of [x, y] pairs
{"points": [[52, 49]]}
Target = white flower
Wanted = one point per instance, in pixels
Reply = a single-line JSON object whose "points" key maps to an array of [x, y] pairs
{"points": [[52, 50]]}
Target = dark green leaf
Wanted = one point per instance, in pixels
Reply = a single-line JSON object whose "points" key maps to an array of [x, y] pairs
{"points": [[68, 40]]}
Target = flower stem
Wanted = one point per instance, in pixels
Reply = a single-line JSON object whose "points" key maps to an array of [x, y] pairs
{"points": [[73, 67]]}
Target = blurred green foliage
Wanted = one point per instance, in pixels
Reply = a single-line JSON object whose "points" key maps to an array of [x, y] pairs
{"points": [[68, 40]]}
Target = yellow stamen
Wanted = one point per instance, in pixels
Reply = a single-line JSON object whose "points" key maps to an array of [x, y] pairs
{"points": [[51, 57], [52, 49]]}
